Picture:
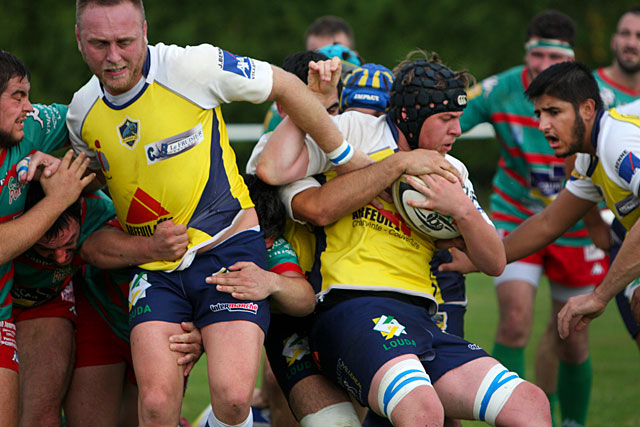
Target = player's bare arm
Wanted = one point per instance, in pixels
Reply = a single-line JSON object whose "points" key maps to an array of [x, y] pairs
{"points": [[348, 192], [111, 247], [302, 106], [534, 233], [546, 226]]}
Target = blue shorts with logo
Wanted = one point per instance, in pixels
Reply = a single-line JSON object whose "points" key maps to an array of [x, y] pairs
{"points": [[287, 345], [183, 296], [353, 339]]}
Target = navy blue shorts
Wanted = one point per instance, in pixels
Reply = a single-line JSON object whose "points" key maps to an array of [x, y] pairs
{"points": [[287, 345], [450, 318], [184, 296], [353, 339]]}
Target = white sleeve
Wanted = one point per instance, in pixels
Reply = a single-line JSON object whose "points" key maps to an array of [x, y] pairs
{"points": [[289, 191], [228, 77], [580, 185], [80, 105]]}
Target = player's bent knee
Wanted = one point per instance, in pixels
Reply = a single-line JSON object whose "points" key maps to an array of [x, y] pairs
{"points": [[494, 391], [397, 382], [339, 414]]}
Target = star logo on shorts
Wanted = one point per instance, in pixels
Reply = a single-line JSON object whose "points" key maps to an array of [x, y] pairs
{"points": [[388, 326], [137, 289]]}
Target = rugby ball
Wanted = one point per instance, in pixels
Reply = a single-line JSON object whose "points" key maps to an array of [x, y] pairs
{"points": [[427, 222]]}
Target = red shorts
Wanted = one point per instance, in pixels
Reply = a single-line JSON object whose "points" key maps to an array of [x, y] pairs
{"points": [[8, 346], [96, 343], [61, 306], [570, 266]]}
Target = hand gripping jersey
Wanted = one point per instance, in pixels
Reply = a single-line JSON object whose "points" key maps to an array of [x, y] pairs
{"points": [[44, 130], [613, 174], [37, 279], [612, 93], [371, 249], [529, 175], [163, 146]]}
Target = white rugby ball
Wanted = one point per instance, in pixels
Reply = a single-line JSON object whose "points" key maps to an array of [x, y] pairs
{"points": [[425, 221]]}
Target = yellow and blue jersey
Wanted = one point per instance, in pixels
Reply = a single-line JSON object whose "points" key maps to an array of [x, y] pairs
{"points": [[163, 146], [613, 174]]}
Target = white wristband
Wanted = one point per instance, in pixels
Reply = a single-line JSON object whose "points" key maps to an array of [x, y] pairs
{"points": [[342, 154]]}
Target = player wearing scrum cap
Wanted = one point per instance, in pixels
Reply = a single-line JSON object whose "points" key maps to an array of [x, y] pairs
{"points": [[377, 302]]}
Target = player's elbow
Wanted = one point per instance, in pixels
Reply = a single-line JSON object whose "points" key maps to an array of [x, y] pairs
{"points": [[496, 267], [306, 308], [268, 172], [495, 264], [320, 215]]}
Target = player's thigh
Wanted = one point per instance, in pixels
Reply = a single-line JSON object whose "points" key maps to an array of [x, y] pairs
{"points": [[8, 397], [95, 394], [154, 363], [46, 350], [233, 350]]}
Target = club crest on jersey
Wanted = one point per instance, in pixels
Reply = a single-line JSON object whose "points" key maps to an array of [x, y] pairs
{"points": [[388, 326], [240, 65], [129, 132], [138, 289], [295, 348]]}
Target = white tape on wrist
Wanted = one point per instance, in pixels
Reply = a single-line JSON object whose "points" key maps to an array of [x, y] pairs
{"points": [[342, 154]]}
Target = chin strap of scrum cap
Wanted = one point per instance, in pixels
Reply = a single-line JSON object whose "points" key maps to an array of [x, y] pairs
{"points": [[413, 102]]}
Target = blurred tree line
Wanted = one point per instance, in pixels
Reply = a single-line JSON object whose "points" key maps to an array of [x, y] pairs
{"points": [[483, 37]]}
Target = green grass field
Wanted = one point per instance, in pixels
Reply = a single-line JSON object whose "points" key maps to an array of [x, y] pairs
{"points": [[615, 357]]}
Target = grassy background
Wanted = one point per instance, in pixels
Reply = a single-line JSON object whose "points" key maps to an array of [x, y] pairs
{"points": [[615, 357]]}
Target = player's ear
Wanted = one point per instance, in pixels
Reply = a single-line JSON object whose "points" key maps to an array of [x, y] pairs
{"points": [[587, 109], [281, 110]]}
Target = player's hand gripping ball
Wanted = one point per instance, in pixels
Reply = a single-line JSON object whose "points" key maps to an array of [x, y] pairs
{"points": [[424, 221]]}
